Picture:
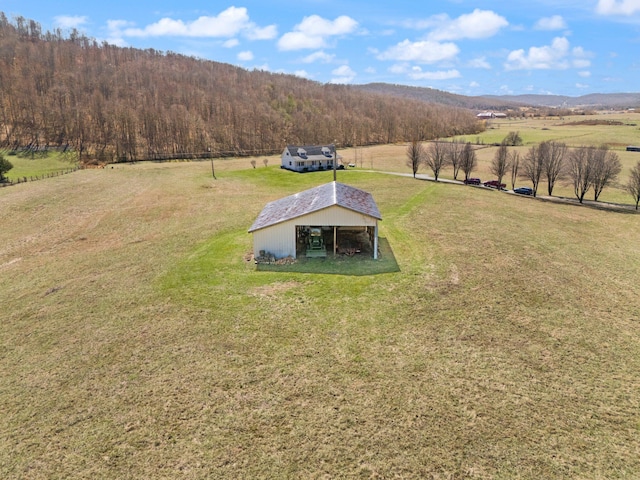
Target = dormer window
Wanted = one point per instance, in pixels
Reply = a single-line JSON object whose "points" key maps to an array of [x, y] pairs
{"points": [[302, 153]]}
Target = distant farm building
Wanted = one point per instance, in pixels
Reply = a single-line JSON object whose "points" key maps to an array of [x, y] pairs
{"points": [[490, 115], [309, 158], [331, 218]]}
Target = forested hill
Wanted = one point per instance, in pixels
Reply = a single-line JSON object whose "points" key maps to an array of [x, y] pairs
{"points": [[112, 103]]}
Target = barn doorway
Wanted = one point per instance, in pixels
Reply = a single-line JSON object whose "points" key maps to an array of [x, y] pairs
{"points": [[322, 241]]}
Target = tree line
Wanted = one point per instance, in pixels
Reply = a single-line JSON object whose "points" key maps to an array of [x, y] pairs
{"points": [[109, 103], [585, 168]]}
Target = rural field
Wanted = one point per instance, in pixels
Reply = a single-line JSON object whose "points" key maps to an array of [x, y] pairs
{"points": [[497, 337]]}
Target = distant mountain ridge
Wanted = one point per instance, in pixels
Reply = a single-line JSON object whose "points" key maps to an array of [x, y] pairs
{"points": [[431, 95], [505, 102], [593, 100]]}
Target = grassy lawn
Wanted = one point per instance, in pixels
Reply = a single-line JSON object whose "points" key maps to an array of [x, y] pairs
{"points": [[38, 165], [500, 340]]}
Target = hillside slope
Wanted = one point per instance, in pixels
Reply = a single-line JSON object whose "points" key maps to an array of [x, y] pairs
{"points": [[110, 103]]}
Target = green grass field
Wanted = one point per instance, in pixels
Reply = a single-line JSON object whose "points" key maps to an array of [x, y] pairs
{"points": [[38, 165], [140, 341]]}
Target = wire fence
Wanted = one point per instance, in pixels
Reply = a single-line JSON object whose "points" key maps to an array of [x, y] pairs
{"points": [[8, 182]]}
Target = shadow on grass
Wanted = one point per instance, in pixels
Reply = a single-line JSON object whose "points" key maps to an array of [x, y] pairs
{"points": [[341, 264]]}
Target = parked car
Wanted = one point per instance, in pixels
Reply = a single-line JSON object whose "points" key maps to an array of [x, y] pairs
{"points": [[495, 184], [472, 181], [523, 190]]}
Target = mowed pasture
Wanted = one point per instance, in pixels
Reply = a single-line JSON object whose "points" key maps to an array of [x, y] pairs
{"points": [[139, 340]]}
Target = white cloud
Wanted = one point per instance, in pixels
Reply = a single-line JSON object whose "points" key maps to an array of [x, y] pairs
{"points": [[229, 23], [556, 56], [232, 42], [581, 63], [478, 24], [69, 21], [261, 33], [418, 74], [556, 22], [480, 62], [618, 7], [343, 74], [319, 56], [399, 68], [299, 41], [245, 56], [302, 74], [421, 52], [474, 84], [115, 27], [584, 74], [314, 31], [581, 86], [581, 57]]}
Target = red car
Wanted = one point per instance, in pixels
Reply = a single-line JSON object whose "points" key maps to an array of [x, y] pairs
{"points": [[472, 181], [495, 184]]}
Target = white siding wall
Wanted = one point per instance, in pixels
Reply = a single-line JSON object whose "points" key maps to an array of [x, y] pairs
{"points": [[280, 239], [336, 216]]}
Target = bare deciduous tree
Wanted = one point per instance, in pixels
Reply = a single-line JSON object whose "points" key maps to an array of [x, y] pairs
{"points": [[500, 162], [606, 168], [633, 184], [554, 163], [580, 170], [533, 165], [415, 156], [514, 161], [436, 157], [468, 160], [454, 153]]}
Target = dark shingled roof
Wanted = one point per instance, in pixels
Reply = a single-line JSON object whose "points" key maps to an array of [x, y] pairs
{"points": [[311, 150], [315, 199]]}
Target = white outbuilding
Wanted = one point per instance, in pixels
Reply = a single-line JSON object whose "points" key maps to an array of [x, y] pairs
{"points": [[333, 217]]}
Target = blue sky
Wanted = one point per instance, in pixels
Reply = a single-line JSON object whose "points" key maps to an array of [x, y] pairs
{"points": [[564, 47]]}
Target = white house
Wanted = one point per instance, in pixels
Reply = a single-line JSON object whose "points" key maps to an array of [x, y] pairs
{"points": [[308, 158], [488, 115], [345, 217]]}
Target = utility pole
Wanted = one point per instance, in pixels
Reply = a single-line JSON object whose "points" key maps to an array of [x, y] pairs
{"points": [[335, 160], [213, 172]]}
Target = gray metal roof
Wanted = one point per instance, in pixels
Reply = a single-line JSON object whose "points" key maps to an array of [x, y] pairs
{"points": [[315, 199], [311, 150]]}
